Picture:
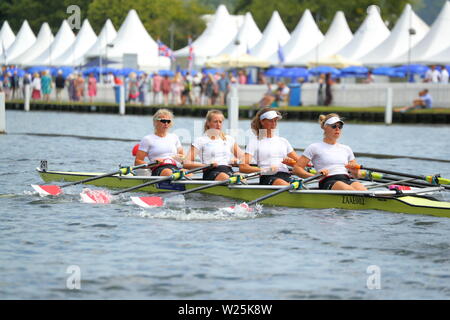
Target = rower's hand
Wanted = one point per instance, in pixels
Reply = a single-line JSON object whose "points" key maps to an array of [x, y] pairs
{"points": [[179, 157], [269, 170], [186, 175], [352, 166], [214, 164], [324, 172], [289, 161]]}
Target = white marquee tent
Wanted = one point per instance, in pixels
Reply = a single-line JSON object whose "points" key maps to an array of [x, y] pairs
{"points": [[133, 38], [369, 35], [275, 34], [24, 40], [436, 40], [305, 37], [106, 36], [247, 37], [74, 55], [63, 40], [43, 41], [218, 34], [7, 38], [400, 41], [337, 36]]}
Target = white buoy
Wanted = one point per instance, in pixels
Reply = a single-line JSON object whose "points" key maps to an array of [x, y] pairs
{"points": [[388, 109], [2, 113], [122, 100], [233, 111]]}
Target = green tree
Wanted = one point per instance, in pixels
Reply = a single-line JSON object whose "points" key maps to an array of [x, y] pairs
{"points": [[38, 12], [322, 10], [158, 17]]}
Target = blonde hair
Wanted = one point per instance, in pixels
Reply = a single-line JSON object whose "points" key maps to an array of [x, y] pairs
{"points": [[324, 118], [162, 112], [256, 122], [209, 117]]}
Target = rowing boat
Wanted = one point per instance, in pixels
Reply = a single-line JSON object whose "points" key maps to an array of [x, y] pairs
{"points": [[417, 201]]}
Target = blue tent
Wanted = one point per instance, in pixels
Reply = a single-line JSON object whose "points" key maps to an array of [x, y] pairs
{"points": [[274, 72], [354, 71], [164, 73], [324, 70], [388, 71], [412, 68], [66, 71]]}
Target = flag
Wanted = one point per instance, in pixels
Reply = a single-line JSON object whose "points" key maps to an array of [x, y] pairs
{"points": [[164, 50], [191, 54], [280, 54]]}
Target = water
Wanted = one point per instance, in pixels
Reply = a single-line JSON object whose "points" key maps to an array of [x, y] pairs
{"points": [[195, 250]]}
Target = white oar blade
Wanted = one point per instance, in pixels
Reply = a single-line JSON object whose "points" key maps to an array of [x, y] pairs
{"points": [[240, 208], [148, 202], [95, 196], [47, 190]]}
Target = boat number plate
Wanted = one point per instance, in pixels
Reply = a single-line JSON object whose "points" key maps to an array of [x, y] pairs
{"points": [[44, 165], [166, 185]]}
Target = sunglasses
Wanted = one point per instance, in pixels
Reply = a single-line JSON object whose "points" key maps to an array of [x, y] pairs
{"points": [[164, 120], [340, 126]]}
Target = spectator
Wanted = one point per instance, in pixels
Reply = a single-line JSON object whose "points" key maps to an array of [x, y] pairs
{"points": [[7, 84], [26, 82], [36, 87], [177, 87], [143, 85], [425, 101], [79, 87], [444, 75], [59, 84], [92, 87], [320, 96], [15, 84], [282, 94], [224, 88], [166, 87], [211, 91], [157, 83], [46, 85], [197, 90], [133, 87], [71, 87], [432, 75], [328, 93], [242, 78], [369, 78], [186, 93]]}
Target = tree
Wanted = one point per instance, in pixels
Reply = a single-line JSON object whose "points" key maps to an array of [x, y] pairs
{"points": [[157, 16], [322, 10], [38, 12]]}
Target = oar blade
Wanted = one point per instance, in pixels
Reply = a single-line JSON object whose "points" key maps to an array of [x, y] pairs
{"points": [[47, 190], [241, 208], [148, 202], [95, 196]]}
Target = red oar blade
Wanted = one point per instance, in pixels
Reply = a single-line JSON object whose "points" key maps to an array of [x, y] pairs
{"points": [[49, 190], [242, 207], [95, 196], [148, 202]]}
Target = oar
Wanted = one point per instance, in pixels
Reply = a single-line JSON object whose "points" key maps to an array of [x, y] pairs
{"points": [[96, 196], [293, 185], [155, 201], [55, 190], [435, 179]]}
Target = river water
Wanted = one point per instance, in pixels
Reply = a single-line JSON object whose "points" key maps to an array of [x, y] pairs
{"points": [[196, 250]]}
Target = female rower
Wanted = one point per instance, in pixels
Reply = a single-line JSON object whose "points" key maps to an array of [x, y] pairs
{"points": [[161, 146], [332, 159], [214, 147], [271, 152]]}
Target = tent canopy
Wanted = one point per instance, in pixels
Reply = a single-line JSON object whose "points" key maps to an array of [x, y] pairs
{"points": [[241, 61], [336, 61]]}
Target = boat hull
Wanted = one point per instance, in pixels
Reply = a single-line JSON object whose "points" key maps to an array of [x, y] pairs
{"points": [[316, 199]]}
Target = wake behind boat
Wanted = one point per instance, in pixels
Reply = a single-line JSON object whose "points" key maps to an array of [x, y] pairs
{"points": [[413, 201]]}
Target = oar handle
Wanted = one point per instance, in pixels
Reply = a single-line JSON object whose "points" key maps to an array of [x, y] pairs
{"points": [[121, 170]]}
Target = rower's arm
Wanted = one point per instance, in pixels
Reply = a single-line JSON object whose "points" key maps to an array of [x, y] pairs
{"points": [[245, 166], [190, 163], [299, 168], [140, 158], [238, 153]]}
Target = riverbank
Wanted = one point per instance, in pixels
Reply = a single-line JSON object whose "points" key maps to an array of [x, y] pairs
{"points": [[367, 114]]}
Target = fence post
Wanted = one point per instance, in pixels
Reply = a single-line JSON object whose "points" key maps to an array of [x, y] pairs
{"points": [[122, 100], [233, 110], [27, 98], [2, 113], [388, 109]]}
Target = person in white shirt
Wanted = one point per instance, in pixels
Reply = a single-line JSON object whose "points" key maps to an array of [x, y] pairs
{"points": [[161, 146], [332, 159], [214, 147], [271, 153], [432, 75], [444, 75]]}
